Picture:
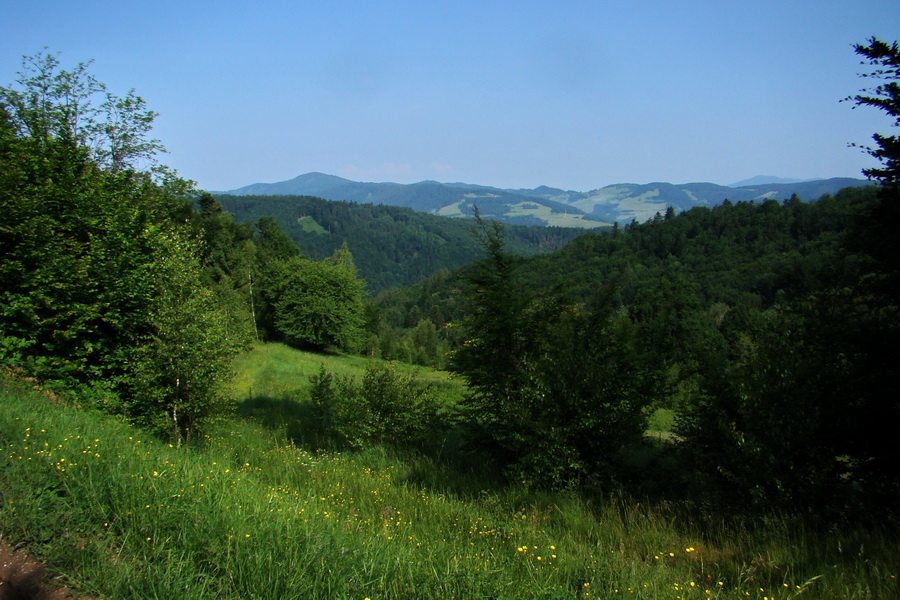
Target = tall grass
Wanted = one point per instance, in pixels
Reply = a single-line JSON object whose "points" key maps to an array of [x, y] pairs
{"points": [[248, 514], [278, 371], [272, 387]]}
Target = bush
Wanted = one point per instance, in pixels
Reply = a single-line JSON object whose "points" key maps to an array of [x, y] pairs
{"points": [[176, 373], [386, 408]]}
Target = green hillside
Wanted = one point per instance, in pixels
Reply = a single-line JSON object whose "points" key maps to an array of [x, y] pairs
{"points": [[391, 246], [115, 513], [700, 405], [727, 259], [455, 200]]}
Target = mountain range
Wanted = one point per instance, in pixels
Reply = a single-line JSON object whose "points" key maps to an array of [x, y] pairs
{"points": [[621, 202]]}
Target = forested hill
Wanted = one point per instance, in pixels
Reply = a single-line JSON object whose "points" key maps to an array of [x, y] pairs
{"points": [[449, 200], [544, 205], [769, 327], [701, 263], [623, 202], [391, 246], [735, 254]]}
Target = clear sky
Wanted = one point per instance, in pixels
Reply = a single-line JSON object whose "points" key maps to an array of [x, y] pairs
{"points": [[571, 94]]}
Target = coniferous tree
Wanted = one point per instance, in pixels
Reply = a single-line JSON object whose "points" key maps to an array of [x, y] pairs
{"points": [[558, 390], [885, 58], [802, 407]]}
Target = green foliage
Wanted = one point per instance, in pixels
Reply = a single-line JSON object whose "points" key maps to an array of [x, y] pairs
{"points": [[767, 326], [400, 330], [674, 276], [800, 408], [307, 303], [116, 514], [316, 304], [384, 409], [796, 409], [77, 250], [558, 391], [272, 242], [756, 423], [392, 246], [885, 59], [50, 103], [229, 258], [178, 367], [97, 285]]}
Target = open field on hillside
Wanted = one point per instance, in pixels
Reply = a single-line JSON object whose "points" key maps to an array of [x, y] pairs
{"points": [[530, 209], [247, 514], [539, 211], [278, 371]]}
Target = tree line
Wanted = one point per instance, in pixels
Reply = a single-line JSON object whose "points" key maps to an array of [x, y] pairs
{"points": [[768, 328], [392, 246], [771, 329]]}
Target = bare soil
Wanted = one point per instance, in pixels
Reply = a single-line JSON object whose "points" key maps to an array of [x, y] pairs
{"points": [[24, 578]]}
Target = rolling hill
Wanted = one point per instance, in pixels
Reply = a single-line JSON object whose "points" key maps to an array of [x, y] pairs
{"points": [[448, 200], [543, 205], [391, 245]]}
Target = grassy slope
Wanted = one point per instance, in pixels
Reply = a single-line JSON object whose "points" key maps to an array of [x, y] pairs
{"points": [[249, 515], [276, 369]]}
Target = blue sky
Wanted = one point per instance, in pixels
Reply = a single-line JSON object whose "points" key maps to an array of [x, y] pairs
{"points": [[576, 95]]}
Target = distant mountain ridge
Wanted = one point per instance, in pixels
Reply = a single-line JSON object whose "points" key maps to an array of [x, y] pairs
{"points": [[622, 202], [444, 199], [765, 179]]}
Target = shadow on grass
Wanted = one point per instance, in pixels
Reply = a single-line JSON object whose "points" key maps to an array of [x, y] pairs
{"points": [[296, 419], [652, 470], [441, 463]]}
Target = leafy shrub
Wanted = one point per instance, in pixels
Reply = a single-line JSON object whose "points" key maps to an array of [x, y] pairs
{"points": [[315, 304], [176, 373], [100, 278], [385, 408]]}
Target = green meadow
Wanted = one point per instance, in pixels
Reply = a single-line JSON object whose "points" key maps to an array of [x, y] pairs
{"points": [[276, 370], [252, 511]]}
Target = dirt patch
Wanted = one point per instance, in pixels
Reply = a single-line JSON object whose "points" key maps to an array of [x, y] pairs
{"points": [[24, 578]]}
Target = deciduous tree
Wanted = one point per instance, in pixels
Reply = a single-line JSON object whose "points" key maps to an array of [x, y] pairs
{"points": [[98, 285], [316, 304]]}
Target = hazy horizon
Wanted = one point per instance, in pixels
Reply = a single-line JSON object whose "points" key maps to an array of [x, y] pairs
{"points": [[765, 179], [574, 95]]}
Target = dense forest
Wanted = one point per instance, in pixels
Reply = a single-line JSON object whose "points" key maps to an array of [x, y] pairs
{"points": [[122, 281], [748, 320], [392, 246], [746, 253], [446, 199], [545, 205], [769, 328]]}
